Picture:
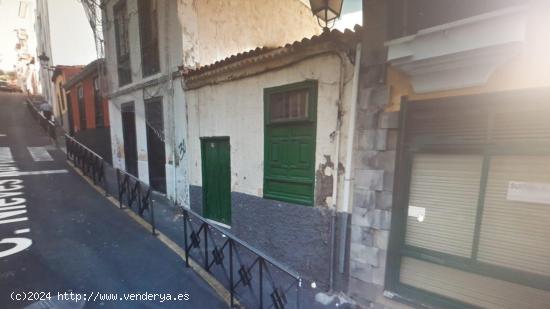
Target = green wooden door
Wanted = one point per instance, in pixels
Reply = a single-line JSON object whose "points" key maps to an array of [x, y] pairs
{"points": [[216, 179], [289, 145], [289, 164]]}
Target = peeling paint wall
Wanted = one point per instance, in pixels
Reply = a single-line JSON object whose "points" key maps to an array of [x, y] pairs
{"points": [[191, 33], [171, 92], [214, 29], [236, 109]]}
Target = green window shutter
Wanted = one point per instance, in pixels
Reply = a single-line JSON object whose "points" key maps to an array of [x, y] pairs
{"points": [[289, 152]]}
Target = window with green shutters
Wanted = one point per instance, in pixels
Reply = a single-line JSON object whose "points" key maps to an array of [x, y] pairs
{"points": [[472, 203], [289, 142]]}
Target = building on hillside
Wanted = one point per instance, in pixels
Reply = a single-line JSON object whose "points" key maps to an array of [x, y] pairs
{"points": [[63, 37], [25, 65], [267, 136], [60, 75], [18, 48], [146, 51], [451, 202], [88, 110]]}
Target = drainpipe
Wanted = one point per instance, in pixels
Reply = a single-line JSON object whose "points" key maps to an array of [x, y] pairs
{"points": [[346, 207], [341, 56]]}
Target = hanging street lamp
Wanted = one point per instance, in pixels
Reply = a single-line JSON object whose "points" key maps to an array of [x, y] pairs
{"points": [[326, 11]]}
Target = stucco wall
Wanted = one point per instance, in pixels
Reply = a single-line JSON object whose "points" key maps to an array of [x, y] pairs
{"points": [[214, 29], [225, 29], [169, 42], [296, 235], [236, 109], [171, 93], [60, 109]]}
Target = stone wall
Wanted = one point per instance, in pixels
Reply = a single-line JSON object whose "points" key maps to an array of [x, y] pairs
{"points": [[297, 236], [372, 201], [374, 165]]}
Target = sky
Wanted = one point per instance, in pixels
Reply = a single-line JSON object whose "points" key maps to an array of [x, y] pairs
{"points": [[71, 36], [351, 15]]}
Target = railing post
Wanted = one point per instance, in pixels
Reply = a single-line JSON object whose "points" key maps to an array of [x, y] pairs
{"points": [[261, 264], [119, 188], [185, 218], [67, 142], [299, 294], [94, 170], [152, 213], [206, 246], [231, 285]]}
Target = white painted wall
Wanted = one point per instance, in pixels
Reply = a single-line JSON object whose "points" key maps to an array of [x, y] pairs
{"points": [[192, 33], [170, 92], [215, 29], [236, 109]]}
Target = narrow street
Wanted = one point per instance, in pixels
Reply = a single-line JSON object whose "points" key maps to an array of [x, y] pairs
{"points": [[77, 241]]}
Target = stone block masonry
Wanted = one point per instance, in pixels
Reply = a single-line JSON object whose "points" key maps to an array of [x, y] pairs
{"points": [[374, 165]]}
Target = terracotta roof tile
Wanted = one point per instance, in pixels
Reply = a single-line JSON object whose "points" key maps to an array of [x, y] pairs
{"points": [[264, 53]]}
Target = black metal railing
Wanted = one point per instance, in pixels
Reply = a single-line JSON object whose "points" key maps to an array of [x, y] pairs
{"points": [[136, 195], [46, 124], [90, 163], [252, 278], [132, 192]]}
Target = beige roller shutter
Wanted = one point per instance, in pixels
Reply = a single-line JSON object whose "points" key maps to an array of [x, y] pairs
{"points": [[471, 288], [446, 188], [516, 234]]}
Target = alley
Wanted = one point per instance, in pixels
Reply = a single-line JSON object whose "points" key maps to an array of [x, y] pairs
{"points": [[59, 235]]}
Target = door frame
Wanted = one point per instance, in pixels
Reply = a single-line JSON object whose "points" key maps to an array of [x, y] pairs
{"points": [[129, 107], [203, 141], [156, 100]]}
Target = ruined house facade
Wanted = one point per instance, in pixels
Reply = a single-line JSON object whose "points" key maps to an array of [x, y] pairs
{"points": [[148, 44], [268, 131]]}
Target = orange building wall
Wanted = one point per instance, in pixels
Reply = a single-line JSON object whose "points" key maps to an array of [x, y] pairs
{"points": [[89, 102]]}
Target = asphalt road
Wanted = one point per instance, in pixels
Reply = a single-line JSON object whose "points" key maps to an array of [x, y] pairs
{"points": [[58, 235]]}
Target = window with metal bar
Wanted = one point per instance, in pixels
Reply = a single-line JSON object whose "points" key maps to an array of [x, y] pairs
{"points": [[148, 33], [98, 104], [81, 108], [122, 43]]}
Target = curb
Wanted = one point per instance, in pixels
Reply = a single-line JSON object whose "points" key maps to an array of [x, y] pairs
{"points": [[172, 245]]}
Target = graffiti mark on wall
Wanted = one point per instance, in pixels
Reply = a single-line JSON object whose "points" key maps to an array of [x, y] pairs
{"points": [[181, 152]]}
